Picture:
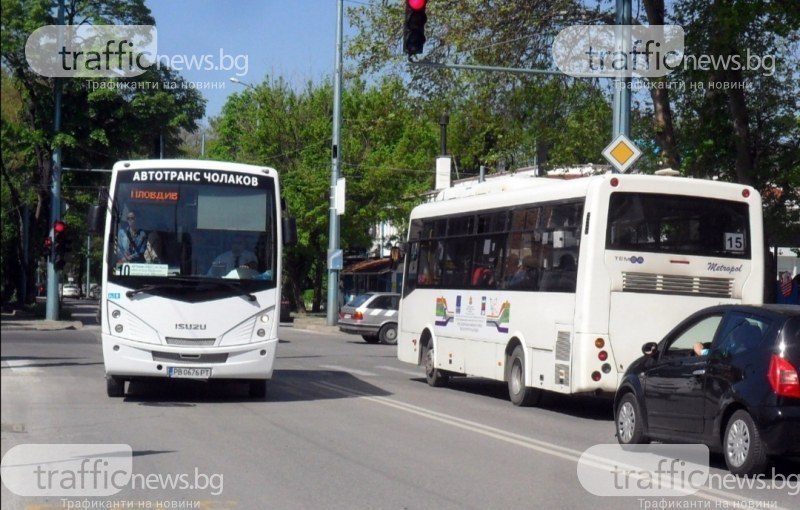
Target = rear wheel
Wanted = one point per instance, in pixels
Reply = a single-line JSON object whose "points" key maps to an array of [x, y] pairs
{"points": [[370, 339], [520, 394], [258, 389], [388, 334], [434, 376], [115, 387], [630, 429], [742, 445]]}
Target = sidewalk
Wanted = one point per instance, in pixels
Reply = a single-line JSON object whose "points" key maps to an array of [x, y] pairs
{"points": [[20, 321]]}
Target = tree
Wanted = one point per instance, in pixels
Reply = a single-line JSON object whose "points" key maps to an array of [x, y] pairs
{"points": [[103, 120]]}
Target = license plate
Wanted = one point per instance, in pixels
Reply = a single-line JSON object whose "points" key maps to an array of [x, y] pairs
{"points": [[347, 316], [189, 372]]}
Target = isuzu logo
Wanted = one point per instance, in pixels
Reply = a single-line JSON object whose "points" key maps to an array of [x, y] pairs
{"points": [[196, 327]]}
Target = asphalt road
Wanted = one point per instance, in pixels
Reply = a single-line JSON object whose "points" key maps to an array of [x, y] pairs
{"points": [[345, 425]]}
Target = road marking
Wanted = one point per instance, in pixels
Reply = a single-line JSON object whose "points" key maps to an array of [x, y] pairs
{"points": [[419, 373], [353, 371], [21, 366], [707, 493]]}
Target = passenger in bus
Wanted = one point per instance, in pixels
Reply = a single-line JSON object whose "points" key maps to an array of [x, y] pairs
{"points": [[527, 275], [234, 258], [154, 253], [132, 241]]}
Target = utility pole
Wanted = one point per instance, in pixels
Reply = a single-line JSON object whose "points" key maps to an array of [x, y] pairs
{"points": [[53, 297], [334, 255], [622, 91]]}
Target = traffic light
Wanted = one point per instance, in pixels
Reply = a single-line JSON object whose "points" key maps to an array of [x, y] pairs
{"points": [[414, 29], [61, 244]]}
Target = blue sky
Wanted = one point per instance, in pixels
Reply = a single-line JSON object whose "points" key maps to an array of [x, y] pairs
{"points": [[292, 39]]}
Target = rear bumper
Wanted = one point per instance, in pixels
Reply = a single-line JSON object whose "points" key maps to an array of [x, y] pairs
{"points": [[358, 329], [780, 429]]}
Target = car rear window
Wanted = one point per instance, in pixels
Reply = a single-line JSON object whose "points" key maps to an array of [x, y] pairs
{"points": [[359, 300]]}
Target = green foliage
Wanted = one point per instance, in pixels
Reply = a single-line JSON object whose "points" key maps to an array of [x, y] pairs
{"points": [[103, 121]]}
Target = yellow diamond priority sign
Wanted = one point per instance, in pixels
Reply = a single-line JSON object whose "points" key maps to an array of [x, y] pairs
{"points": [[622, 153]]}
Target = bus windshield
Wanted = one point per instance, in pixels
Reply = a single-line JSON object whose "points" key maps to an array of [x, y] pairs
{"points": [[221, 229]]}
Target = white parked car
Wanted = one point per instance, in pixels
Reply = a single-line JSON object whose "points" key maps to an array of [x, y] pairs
{"points": [[71, 290]]}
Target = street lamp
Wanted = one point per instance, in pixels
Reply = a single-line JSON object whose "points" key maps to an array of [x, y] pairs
{"points": [[233, 79]]}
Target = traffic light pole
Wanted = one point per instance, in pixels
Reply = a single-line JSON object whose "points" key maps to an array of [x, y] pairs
{"points": [[53, 297], [332, 307]]}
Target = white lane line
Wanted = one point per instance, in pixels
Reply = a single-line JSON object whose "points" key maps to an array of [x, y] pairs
{"points": [[353, 371], [720, 497], [21, 366], [419, 373]]}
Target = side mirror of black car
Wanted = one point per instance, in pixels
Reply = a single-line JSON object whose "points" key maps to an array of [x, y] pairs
{"points": [[650, 349]]}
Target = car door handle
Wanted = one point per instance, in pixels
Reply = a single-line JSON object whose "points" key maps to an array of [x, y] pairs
{"points": [[701, 371]]}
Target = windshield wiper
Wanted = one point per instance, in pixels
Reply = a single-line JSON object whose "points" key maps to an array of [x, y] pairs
{"points": [[228, 284], [147, 289]]}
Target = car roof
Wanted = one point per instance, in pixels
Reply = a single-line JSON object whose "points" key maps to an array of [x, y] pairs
{"points": [[769, 309]]}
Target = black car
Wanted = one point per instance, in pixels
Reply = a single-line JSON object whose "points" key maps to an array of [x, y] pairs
{"points": [[727, 377]]}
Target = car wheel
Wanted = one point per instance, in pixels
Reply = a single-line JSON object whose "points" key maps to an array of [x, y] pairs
{"points": [[388, 334], [370, 339], [630, 428], [434, 376], [115, 387], [258, 389], [743, 448], [520, 394]]}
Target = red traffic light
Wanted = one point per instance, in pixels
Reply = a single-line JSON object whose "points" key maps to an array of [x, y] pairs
{"points": [[59, 227], [417, 4]]}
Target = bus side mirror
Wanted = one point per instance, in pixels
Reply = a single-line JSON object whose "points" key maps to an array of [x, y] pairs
{"points": [[395, 255], [289, 232], [95, 219]]}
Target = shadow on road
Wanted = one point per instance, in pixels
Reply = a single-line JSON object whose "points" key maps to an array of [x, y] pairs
{"points": [[285, 386]]}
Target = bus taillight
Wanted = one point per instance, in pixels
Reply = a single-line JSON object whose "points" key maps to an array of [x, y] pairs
{"points": [[595, 376], [602, 355]]}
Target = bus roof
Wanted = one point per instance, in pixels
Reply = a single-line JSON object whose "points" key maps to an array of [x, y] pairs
{"points": [[511, 190]]}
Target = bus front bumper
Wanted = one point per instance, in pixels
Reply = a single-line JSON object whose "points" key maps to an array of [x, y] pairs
{"points": [[124, 359]]}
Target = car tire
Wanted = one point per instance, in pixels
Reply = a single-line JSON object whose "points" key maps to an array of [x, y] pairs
{"points": [[388, 334], [371, 339], [742, 445], [520, 394], [257, 389], [629, 422], [115, 387], [435, 377]]}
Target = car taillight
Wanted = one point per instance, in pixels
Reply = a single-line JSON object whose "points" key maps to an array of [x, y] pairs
{"points": [[358, 316], [783, 377]]}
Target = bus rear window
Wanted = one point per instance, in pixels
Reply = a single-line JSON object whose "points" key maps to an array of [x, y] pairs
{"points": [[652, 222]]}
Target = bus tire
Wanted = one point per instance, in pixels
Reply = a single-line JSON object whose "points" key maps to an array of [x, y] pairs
{"points": [[388, 334], [520, 394], [258, 389], [742, 445], [435, 377], [115, 387], [628, 420], [370, 339]]}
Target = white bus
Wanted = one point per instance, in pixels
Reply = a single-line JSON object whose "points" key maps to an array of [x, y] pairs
{"points": [[191, 272], [555, 285]]}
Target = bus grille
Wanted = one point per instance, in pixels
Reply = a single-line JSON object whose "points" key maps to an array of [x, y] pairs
{"points": [[168, 357], [676, 284], [190, 341]]}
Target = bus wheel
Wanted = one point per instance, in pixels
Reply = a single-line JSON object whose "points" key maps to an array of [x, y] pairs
{"points": [[435, 377], [630, 429], [520, 394], [115, 387], [258, 389], [388, 334]]}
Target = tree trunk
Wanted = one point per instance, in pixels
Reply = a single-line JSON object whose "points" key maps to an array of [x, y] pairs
{"points": [[662, 112]]}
